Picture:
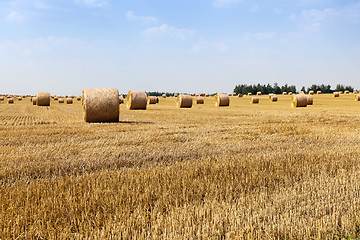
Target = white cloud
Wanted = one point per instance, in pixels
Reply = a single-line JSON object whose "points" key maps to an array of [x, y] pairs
{"points": [[14, 16], [205, 46], [147, 20], [255, 7], [224, 3], [165, 30], [259, 36], [92, 3]]}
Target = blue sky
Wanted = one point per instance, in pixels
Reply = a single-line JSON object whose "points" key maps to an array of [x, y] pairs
{"points": [[64, 46]]}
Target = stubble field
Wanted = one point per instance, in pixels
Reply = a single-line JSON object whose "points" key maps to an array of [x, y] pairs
{"points": [[265, 171]]}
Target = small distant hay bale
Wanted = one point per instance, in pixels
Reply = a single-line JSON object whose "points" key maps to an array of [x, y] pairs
{"points": [[206, 95], [19, 98], [233, 94], [222, 100], [56, 98], [136, 100], [357, 98], [318, 92], [284, 93], [52, 96], [23, 96], [336, 94], [249, 94], [152, 100], [10, 100], [66, 96], [347, 92], [258, 94], [164, 95], [254, 100], [175, 95], [69, 100], [61, 100], [355, 92], [197, 94], [184, 101], [121, 100], [290, 93], [310, 99], [240, 95], [311, 92], [299, 100], [1, 98], [72, 96], [202, 94], [43, 99], [199, 100], [273, 98], [101, 105], [34, 100], [341, 92], [78, 98]]}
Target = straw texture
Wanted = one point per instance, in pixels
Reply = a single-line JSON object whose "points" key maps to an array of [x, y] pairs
{"points": [[43, 99], [10, 100], [254, 100], [222, 100], [299, 100], [152, 100], [34, 100], [69, 100], [199, 100], [310, 99], [121, 100], [184, 101], [136, 100], [101, 105]]}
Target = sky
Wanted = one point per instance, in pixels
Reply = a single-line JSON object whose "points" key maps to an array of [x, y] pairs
{"points": [[65, 46]]}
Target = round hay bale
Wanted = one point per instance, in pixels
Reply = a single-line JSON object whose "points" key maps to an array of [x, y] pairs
{"points": [[258, 94], [249, 94], [290, 93], [206, 95], [299, 100], [202, 94], [10, 100], [136, 100], [152, 100], [284, 93], [355, 92], [101, 104], [233, 94], [43, 99], [184, 101], [66, 96], [34, 100], [164, 95], [72, 96], [336, 94], [19, 98], [341, 92], [240, 95], [199, 100], [310, 99], [254, 100], [1, 98], [357, 98], [318, 92], [61, 100], [311, 92], [274, 98], [56, 98], [69, 100], [346, 92], [121, 100], [222, 100], [175, 95]]}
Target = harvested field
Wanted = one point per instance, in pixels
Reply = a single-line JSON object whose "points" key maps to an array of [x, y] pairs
{"points": [[264, 171]]}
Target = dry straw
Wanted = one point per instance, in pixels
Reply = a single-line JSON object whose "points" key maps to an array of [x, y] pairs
{"points": [[61, 100], [357, 98], [299, 100], [10, 100], [311, 92], [340, 92], [43, 99], [318, 92], [355, 92], [69, 100], [184, 101], [310, 99], [101, 105], [336, 94], [273, 98], [34, 100], [258, 93], [222, 100], [136, 100], [254, 100], [199, 100], [301, 92], [152, 100]]}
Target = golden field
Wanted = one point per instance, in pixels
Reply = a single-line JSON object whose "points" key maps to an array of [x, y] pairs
{"points": [[248, 171]]}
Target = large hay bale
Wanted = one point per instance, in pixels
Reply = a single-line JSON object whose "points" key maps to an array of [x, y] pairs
{"points": [[357, 98], [254, 100], [34, 100], [310, 99], [199, 100], [222, 100], [69, 100], [61, 100], [311, 92], [258, 94], [101, 105], [273, 98], [318, 92], [152, 100], [336, 94], [136, 100], [299, 100], [10, 100], [43, 99], [184, 101]]}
